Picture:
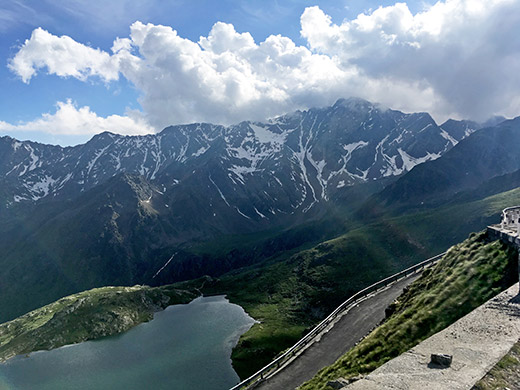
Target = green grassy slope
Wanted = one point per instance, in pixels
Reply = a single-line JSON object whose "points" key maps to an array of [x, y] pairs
{"points": [[85, 316], [292, 290], [291, 293], [290, 296], [117, 245], [468, 275]]}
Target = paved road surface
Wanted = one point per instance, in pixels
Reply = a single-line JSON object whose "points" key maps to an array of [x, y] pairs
{"points": [[344, 335]]}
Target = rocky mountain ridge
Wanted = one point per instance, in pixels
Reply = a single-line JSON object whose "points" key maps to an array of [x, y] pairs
{"points": [[195, 199], [256, 170], [488, 154]]}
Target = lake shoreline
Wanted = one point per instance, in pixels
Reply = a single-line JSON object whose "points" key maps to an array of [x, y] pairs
{"points": [[184, 344]]}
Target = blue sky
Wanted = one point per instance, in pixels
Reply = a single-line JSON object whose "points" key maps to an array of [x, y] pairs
{"points": [[257, 59]]}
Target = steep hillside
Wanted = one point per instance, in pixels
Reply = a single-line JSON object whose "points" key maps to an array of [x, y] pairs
{"points": [[487, 153], [85, 316], [289, 294], [495, 185], [195, 199], [460, 129], [115, 235], [468, 275]]}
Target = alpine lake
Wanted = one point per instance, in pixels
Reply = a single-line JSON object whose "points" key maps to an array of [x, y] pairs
{"points": [[184, 347]]}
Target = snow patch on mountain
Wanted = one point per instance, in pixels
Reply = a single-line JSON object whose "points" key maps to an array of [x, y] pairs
{"points": [[42, 188], [289, 164], [409, 162], [445, 135]]}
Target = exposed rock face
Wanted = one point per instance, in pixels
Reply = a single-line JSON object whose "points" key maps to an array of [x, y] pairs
{"points": [[256, 170], [338, 383], [488, 153]]}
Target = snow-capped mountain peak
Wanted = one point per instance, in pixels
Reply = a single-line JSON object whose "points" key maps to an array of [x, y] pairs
{"points": [[257, 170]]}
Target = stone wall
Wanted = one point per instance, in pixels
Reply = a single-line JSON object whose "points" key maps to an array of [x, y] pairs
{"points": [[506, 236]]}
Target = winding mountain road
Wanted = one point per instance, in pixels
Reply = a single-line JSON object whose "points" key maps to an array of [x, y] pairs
{"points": [[350, 328]]}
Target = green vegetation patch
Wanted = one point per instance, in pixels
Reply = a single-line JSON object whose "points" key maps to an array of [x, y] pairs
{"points": [[85, 316], [289, 297], [292, 292], [505, 374], [469, 274]]}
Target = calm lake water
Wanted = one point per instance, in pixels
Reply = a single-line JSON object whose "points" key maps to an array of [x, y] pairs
{"points": [[185, 347]]}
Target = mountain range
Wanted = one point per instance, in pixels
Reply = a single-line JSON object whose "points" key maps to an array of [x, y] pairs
{"points": [[204, 199], [489, 153], [258, 170]]}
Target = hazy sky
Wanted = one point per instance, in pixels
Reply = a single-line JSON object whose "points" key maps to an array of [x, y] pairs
{"points": [[76, 68]]}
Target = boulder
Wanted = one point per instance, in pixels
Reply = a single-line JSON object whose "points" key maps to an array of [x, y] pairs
{"points": [[441, 359], [342, 382]]}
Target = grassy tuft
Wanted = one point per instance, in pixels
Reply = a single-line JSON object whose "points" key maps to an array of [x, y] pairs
{"points": [[469, 274], [505, 374]]}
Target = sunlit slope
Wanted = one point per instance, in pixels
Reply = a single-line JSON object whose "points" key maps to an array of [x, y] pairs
{"points": [[290, 294], [469, 274], [85, 316]]}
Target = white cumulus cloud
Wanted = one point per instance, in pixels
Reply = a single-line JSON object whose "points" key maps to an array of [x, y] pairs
{"points": [[62, 56], [225, 77], [465, 51], [71, 120], [456, 58]]}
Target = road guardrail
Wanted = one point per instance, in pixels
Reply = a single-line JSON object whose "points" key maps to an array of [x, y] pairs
{"points": [[275, 365]]}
